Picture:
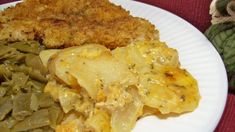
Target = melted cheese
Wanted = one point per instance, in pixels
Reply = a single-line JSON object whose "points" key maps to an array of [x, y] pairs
{"points": [[106, 80]]}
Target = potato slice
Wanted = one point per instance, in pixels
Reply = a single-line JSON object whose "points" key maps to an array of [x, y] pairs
{"points": [[99, 121], [68, 98], [171, 90], [151, 62], [45, 55], [128, 82], [143, 57], [70, 126], [60, 64], [124, 119], [92, 67]]}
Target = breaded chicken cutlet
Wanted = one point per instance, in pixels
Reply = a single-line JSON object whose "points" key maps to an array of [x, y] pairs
{"points": [[65, 23]]}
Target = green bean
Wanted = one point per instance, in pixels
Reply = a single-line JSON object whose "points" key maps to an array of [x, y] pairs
{"points": [[3, 42], [23, 105], [3, 91], [35, 62], [4, 72], [37, 119], [9, 122], [21, 110], [4, 128], [5, 107], [27, 46], [34, 86], [43, 129], [6, 52], [38, 76], [19, 79], [56, 115], [34, 104], [44, 100], [34, 74]]}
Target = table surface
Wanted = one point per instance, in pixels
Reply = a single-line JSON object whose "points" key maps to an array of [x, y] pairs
{"points": [[197, 13]]}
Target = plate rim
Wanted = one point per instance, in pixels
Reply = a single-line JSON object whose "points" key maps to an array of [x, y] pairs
{"points": [[222, 66]]}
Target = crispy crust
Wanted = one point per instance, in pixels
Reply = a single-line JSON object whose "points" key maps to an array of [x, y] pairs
{"points": [[65, 23]]}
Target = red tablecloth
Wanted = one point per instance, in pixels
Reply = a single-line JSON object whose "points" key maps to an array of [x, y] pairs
{"points": [[195, 12]]}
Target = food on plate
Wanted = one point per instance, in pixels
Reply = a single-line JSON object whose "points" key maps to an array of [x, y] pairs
{"points": [[90, 67], [162, 83], [86, 66], [65, 23], [114, 86], [23, 104]]}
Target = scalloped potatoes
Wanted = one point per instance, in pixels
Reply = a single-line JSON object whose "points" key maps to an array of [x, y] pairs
{"points": [[116, 85]]}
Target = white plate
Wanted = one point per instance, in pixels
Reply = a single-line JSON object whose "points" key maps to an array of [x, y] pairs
{"points": [[199, 57]]}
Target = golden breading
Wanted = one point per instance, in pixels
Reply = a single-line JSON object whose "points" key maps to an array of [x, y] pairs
{"points": [[65, 23]]}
